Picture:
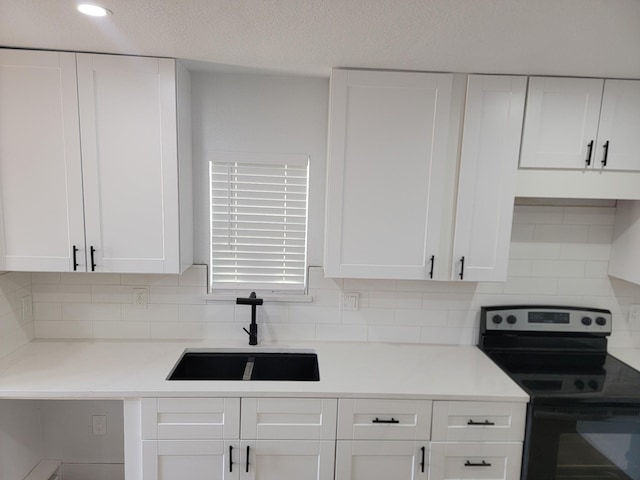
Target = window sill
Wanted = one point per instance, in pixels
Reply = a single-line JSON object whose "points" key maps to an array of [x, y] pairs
{"points": [[224, 297]]}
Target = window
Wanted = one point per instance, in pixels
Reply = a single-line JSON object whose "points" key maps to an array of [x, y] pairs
{"points": [[259, 222]]}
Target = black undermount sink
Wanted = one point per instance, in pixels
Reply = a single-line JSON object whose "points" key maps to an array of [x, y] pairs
{"points": [[269, 366]]}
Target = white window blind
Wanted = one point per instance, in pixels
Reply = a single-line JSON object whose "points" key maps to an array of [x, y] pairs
{"points": [[259, 222]]}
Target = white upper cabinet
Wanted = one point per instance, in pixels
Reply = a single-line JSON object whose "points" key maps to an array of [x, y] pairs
{"points": [[487, 179], [41, 210], [578, 123], [90, 171], [129, 151], [388, 135]]}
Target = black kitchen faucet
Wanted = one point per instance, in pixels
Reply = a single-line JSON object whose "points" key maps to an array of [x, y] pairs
{"points": [[253, 328]]}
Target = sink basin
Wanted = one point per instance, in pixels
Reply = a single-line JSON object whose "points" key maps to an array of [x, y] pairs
{"points": [[267, 366]]}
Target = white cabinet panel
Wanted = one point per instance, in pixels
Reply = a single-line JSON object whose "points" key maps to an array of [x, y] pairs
{"points": [[478, 421], [190, 418], [195, 460], [364, 419], [458, 461], [288, 418], [561, 124], [382, 460], [288, 459], [40, 167], [388, 135], [129, 151], [619, 126], [487, 179]]}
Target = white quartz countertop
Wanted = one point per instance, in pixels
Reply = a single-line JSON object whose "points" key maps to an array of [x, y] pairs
{"points": [[76, 369]]}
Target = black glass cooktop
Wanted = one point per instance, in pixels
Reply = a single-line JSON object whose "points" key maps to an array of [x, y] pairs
{"points": [[558, 377]]}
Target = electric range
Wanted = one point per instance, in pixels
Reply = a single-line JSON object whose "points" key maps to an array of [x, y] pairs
{"points": [[583, 419]]}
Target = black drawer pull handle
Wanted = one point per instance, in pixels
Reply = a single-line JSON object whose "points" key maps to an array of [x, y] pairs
{"points": [[461, 268], [433, 260], [231, 458], [606, 153], [75, 258], [248, 449], [377, 420], [423, 450], [486, 422], [93, 261], [589, 153], [483, 464]]}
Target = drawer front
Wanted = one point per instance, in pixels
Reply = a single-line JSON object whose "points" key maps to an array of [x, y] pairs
{"points": [[365, 419], [478, 421], [289, 418], [190, 418], [459, 461], [382, 460]]}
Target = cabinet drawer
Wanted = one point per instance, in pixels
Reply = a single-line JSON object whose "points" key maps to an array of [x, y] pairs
{"points": [[497, 461], [289, 418], [478, 421], [190, 418], [363, 419]]}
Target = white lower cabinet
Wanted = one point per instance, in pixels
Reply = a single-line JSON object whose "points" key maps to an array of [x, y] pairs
{"points": [[475, 460], [232, 438], [328, 439], [195, 459], [382, 460]]}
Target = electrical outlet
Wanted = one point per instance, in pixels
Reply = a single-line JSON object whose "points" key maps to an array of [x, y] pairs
{"points": [[349, 301], [27, 307], [99, 425], [634, 315], [141, 297]]}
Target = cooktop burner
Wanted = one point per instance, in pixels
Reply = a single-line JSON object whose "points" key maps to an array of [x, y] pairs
{"points": [[558, 354]]}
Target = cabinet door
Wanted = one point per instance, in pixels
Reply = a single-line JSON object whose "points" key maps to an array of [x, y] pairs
{"points": [[487, 179], [387, 143], [40, 171], [619, 126], [458, 461], [129, 156], [288, 460], [381, 460], [195, 460], [561, 122]]}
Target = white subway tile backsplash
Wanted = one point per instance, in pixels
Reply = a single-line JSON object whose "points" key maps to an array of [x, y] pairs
{"points": [[559, 255], [96, 312]]}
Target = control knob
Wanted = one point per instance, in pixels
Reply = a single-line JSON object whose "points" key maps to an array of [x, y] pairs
{"points": [[586, 320], [593, 385], [511, 319], [497, 319], [579, 384], [601, 321]]}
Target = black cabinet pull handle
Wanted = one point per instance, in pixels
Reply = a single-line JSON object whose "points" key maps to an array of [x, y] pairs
{"points": [[248, 449], [93, 261], [433, 259], [377, 420], [230, 458], [486, 422], [75, 258], [606, 153], [483, 464], [423, 450], [462, 268], [589, 153]]}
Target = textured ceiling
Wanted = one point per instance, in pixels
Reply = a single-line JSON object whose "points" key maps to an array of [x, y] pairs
{"points": [[556, 37]]}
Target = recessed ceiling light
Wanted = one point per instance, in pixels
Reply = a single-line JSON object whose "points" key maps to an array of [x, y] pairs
{"points": [[93, 10]]}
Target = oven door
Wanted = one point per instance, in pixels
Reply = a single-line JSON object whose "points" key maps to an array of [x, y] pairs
{"points": [[582, 442]]}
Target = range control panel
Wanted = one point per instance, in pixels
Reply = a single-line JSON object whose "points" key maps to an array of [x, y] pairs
{"points": [[528, 318]]}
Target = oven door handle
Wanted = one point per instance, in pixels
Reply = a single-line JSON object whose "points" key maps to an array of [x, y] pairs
{"points": [[593, 413]]}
